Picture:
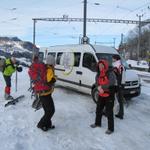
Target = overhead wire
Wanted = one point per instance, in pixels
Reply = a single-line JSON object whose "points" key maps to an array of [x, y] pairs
{"points": [[131, 11]]}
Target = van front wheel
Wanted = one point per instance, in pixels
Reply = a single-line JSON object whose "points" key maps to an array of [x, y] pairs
{"points": [[95, 95]]}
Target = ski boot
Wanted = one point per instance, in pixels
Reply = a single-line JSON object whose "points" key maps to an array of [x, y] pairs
{"points": [[8, 97]]}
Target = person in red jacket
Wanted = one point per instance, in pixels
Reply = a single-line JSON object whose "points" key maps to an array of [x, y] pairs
{"points": [[43, 79], [106, 82]]}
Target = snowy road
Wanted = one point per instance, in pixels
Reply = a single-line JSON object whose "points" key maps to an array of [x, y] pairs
{"points": [[74, 114]]}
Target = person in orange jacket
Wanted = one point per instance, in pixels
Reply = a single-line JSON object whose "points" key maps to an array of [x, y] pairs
{"points": [[106, 82]]}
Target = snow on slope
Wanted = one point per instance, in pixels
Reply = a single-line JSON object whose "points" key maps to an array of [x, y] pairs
{"points": [[13, 46], [74, 114]]}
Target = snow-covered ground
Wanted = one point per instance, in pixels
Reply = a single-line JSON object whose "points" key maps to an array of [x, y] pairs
{"points": [[74, 114]]}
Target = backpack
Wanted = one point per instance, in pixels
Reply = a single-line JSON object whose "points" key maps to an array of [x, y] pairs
{"points": [[38, 75], [2, 64], [120, 74]]}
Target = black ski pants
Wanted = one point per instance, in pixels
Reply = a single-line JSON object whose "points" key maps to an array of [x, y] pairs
{"points": [[108, 104], [7, 80], [120, 99], [49, 110]]}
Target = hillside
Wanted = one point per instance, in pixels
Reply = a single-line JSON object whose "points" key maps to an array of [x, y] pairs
{"points": [[13, 46]]}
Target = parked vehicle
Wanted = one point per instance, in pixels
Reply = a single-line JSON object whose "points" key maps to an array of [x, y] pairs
{"points": [[76, 68]]}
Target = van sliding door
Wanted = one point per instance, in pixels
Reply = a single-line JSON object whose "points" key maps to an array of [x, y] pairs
{"points": [[88, 71]]}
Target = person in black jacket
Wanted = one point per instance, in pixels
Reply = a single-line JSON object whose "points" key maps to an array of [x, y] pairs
{"points": [[120, 74]]}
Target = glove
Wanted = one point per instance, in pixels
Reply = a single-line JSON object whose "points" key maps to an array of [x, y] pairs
{"points": [[100, 90], [17, 63], [19, 69], [51, 83]]}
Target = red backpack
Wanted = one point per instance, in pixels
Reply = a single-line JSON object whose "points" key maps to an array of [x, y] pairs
{"points": [[38, 75], [103, 80]]}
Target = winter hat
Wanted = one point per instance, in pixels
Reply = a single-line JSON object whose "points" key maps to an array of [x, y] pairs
{"points": [[13, 59], [50, 60]]}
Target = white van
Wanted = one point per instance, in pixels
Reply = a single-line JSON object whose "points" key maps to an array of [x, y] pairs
{"points": [[76, 67]]}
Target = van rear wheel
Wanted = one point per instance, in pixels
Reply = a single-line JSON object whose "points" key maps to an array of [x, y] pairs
{"points": [[95, 95]]}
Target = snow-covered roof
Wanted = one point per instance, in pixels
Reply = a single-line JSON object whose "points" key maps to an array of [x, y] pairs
{"points": [[80, 48]]}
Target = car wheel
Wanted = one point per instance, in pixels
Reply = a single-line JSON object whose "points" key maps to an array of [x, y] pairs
{"points": [[95, 95]]}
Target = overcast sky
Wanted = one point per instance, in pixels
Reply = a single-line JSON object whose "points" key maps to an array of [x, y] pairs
{"points": [[16, 19]]}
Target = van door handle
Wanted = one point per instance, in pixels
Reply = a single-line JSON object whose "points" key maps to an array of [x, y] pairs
{"points": [[78, 72]]}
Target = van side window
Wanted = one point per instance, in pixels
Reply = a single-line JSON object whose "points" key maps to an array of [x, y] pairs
{"points": [[52, 53], [58, 58], [77, 59], [89, 61]]}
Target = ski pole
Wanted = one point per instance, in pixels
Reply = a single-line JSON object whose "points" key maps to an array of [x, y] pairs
{"points": [[16, 80]]}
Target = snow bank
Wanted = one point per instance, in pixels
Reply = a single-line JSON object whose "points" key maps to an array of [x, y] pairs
{"points": [[74, 114]]}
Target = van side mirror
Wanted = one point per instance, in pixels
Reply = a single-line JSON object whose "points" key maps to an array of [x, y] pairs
{"points": [[130, 66]]}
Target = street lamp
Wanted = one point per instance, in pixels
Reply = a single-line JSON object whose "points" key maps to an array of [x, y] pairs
{"points": [[85, 39], [34, 26], [139, 37], [97, 4], [34, 34]]}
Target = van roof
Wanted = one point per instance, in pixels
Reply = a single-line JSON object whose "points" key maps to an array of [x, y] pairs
{"points": [[105, 49], [80, 48]]}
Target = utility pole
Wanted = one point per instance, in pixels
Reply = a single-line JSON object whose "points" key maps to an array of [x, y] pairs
{"points": [[122, 38], [85, 39], [84, 18], [34, 24], [34, 34], [122, 49], [139, 38]]}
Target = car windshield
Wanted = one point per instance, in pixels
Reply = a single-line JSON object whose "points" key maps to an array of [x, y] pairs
{"points": [[109, 58]]}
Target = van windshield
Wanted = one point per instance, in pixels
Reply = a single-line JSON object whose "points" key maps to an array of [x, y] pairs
{"points": [[109, 58]]}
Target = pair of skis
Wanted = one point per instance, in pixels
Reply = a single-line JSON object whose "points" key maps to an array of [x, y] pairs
{"points": [[14, 100]]}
